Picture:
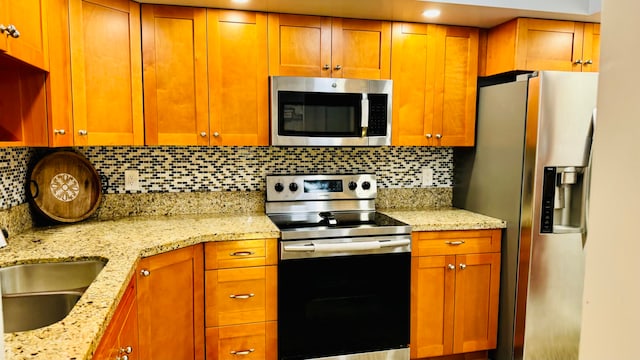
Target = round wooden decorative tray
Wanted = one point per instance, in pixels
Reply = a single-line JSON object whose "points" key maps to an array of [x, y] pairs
{"points": [[64, 186]]}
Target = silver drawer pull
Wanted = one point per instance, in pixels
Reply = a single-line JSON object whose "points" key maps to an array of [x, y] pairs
{"points": [[242, 352], [242, 253], [454, 242], [242, 296]]}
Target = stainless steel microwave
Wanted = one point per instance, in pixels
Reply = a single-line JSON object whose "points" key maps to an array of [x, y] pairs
{"points": [[307, 111]]}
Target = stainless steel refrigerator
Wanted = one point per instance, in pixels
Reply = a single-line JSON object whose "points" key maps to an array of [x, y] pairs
{"points": [[530, 167]]}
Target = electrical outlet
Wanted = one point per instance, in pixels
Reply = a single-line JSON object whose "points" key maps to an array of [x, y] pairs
{"points": [[131, 180], [427, 177]]}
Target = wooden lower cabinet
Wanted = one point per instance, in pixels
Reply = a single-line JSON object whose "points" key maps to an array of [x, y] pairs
{"points": [[249, 341], [240, 298], [121, 336], [455, 278], [171, 305]]}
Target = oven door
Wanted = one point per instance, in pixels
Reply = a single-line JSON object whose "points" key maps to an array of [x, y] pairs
{"points": [[329, 306]]}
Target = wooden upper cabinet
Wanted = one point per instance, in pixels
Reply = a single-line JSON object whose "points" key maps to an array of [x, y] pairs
{"points": [[238, 78], [301, 45], [536, 44], [29, 41], [174, 53], [106, 72], [171, 305], [434, 73]]}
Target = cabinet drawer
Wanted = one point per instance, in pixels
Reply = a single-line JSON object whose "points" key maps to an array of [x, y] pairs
{"points": [[240, 253], [251, 341], [455, 242], [239, 296]]}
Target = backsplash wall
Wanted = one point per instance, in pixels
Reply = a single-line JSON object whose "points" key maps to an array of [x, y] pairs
{"points": [[195, 169]]}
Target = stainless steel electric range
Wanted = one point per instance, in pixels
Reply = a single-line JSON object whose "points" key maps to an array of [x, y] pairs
{"points": [[344, 270]]}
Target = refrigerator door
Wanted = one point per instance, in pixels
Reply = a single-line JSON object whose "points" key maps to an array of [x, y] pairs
{"points": [[562, 103]]}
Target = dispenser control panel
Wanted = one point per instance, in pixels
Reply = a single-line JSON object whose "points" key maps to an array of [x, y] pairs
{"points": [[548, 198]]}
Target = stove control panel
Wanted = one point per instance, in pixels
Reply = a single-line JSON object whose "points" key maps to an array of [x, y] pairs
{"points": [[321, 187]]}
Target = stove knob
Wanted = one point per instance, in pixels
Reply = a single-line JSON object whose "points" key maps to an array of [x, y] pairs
{"points": [[293, 186], [366, 185], [353, 185], [279, 187]]}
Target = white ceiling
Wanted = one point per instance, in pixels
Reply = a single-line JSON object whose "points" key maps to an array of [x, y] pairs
{"points": [[484, 14]]}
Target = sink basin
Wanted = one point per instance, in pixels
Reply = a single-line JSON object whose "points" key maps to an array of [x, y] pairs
{"points": [[37, 295]]}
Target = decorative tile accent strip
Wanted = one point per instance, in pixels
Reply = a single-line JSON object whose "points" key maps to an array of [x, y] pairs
{"points": [[198, 169], [13, 171], [208, 169]]}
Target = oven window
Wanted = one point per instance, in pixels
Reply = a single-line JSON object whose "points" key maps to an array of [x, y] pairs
{"points": [[319, 114], [343, 305]]}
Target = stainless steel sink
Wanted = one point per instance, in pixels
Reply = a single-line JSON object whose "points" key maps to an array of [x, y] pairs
{"points": [[37, 295]]}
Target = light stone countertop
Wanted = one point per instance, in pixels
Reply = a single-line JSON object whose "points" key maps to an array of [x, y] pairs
{"points": [[442, 219], [123, 241]]}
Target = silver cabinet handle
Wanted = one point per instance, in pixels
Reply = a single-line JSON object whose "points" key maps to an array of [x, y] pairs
{"points": [[338, 67], [326, 67], [451, 267], [123, 357], [589, 62], [454, 242], [216, 134], [428, 136], [10, 31], [242, 296], [463, 266], [83, 132], [59, 131], [203, 134], [242, 352], [126, 350], [578, 62], [145, 272], [438, 136], [242, 253]]}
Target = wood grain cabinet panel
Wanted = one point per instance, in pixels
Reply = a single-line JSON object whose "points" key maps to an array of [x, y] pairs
{"points": [[171, 305], [121, 336], [454, 294], [537, 44], [238, 78], [301, 45], [29, 17], [106, 79], [434, 71]]}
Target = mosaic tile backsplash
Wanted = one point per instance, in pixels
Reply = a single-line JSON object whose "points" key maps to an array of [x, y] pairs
{"points": [[196, 169]]}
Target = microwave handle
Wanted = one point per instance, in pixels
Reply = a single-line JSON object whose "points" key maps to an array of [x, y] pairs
{"points": [[364, 122]]}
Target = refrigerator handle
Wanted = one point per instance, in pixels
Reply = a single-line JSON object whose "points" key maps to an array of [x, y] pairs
{"points": [[587, 178]]}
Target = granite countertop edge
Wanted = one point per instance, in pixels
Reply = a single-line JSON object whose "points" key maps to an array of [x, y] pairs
{"points": [[122, 242]]}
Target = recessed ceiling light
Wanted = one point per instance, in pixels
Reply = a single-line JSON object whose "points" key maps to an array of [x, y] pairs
{"points": [[433, 13], [240, 1]]}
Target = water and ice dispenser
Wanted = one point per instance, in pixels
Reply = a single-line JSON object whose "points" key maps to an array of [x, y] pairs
{"points": [[563, 199]]}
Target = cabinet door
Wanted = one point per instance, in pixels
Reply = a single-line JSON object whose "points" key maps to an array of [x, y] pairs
{"points": [[360, 49], [476, 302], [174, 53], [106, 79], [432, 308], [299, 45], [413, 70], [242, 295], [170, 305], [238, 78], [122, 332], [591, 48], [455, 88], [30, 19], [548, 45]]}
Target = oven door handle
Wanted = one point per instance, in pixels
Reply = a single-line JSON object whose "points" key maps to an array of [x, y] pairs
{"points": [[351, 246]]}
